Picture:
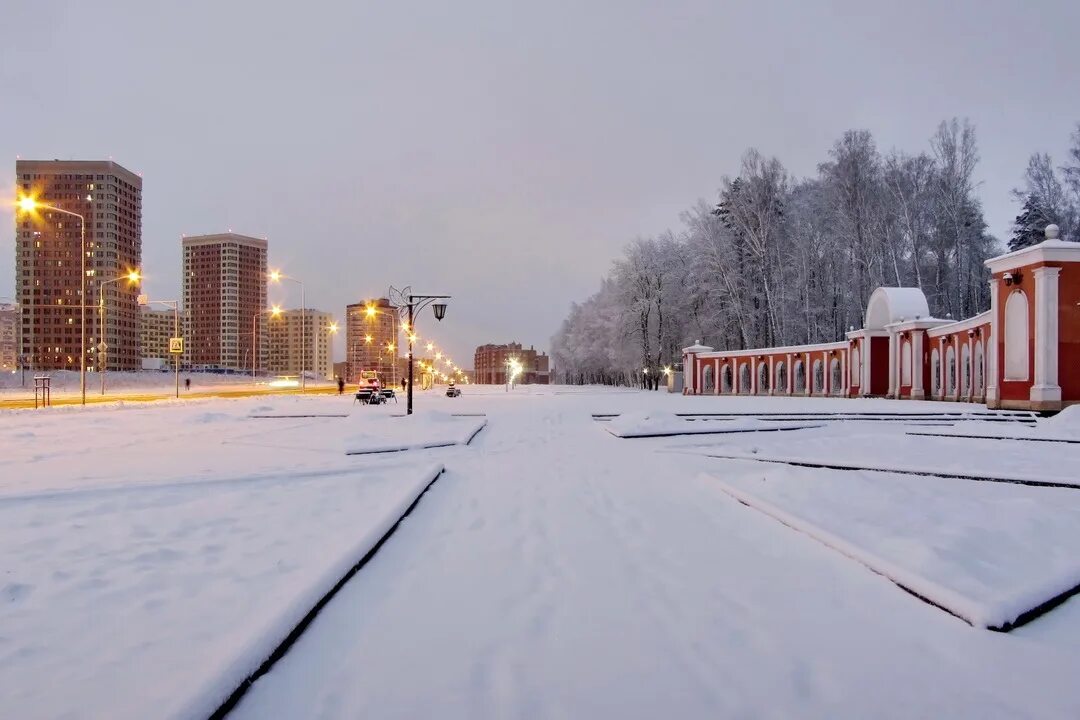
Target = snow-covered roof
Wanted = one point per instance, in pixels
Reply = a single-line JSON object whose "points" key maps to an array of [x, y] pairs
{"points": [[1047, 251], [888, 305], [697, 348]]}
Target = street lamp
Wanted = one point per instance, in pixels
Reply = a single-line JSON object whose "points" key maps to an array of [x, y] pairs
{"points": [[277, 276], [414, 303], [28, 205], [132, 277]]}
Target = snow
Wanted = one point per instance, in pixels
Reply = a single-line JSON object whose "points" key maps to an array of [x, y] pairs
{"points": [[417, 431], [554, 570], [654, 424], [854, 444], [987, 554], [112, 590]]}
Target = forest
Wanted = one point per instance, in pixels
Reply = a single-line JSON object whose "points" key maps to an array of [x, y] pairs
{"points": [[776, 260]]}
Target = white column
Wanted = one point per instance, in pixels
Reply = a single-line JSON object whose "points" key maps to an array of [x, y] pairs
{"points": [[1046, 388], [990, 350], [790, 374], [826, 373], [865, 389], [808, 375], [772, 375], [716, 375], [918, 366], [753, 376]]}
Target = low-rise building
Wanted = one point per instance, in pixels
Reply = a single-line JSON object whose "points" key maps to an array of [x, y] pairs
{"points": [[491, 364], [9, 336], [155, 329], [295, 344]]}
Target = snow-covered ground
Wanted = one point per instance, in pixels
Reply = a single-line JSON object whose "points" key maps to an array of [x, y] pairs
{"points": [[554, 570]]}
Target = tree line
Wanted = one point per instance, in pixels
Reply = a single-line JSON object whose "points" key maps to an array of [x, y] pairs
{"points": [[778, 260]]}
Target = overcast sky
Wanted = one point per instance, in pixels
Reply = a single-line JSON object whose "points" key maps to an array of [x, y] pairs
{"points": [[502, 152]]}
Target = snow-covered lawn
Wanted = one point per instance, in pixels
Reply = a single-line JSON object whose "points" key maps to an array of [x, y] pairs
{"points": [[858, 444], [986, 552], [554, 570], [158, 601], [652, 424]]}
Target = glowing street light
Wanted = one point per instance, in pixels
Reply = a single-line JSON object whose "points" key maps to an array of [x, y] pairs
{"points": [[132, 277], [514, 368], [277, 276]]}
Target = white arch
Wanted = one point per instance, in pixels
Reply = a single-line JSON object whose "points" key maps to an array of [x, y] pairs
{"points": [[780, 384], [708, 379], [818, 377], [763, 383], [726, 385], [889, 305], [800, 376], [836, 377], [1017, 333], [965, 371], [979, 370], [744, 379]]}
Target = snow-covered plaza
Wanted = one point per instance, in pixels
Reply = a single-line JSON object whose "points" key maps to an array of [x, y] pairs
{"points": [[565, 552]]}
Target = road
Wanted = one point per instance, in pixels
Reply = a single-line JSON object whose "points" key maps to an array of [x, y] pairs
{"points": [[25, 399]]}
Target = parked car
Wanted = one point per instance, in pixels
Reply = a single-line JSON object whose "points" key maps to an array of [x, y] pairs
{"points": [[370, 391]]}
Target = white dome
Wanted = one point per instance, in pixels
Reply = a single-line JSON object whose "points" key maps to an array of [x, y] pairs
{"points": [[889, 304]]}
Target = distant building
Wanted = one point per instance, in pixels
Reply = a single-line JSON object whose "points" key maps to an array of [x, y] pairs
{"points": [[225, 301], [48, 261], [490, 364], [9, 336], [371, 340], [290, 350], [156, 327]]}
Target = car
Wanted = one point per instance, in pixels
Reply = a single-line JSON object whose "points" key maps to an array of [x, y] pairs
{"points": [[370, 391]]}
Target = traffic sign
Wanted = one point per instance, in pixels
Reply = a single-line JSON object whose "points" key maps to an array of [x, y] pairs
{"points": [[176, 346]]}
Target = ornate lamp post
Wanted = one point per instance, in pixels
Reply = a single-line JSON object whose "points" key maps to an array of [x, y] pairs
{"points": [[413, 304]]}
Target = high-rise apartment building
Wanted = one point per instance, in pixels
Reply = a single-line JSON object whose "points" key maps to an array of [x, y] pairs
{"points": [[48, 261], [371, 340], [225, 301], [9, 336], [490, 364], [157, 326], [290, 349]]}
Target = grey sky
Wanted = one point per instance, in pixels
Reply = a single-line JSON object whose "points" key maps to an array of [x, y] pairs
{"points": [[502, 152]]}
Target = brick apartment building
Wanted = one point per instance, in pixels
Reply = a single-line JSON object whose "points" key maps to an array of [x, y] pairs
{"points": [[48, 274], [9, 336], [489, 364], [290, 350], [225, 301], [371, 340]]}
